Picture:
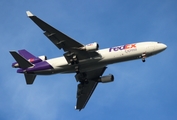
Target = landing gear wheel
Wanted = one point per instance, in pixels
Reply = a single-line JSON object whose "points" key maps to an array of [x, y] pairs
{"points": [[71, 58], [81, 77], [144, 60], [77, 69]]}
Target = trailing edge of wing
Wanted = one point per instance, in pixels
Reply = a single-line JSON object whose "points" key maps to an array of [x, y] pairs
{"points": [[84, 93]]}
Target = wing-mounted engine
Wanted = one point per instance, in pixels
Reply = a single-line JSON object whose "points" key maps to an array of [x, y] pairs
{"points": [[106, 79], [91, 47]]}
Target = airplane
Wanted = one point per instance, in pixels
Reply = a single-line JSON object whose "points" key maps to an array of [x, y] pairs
{"points": [[88, 62]]}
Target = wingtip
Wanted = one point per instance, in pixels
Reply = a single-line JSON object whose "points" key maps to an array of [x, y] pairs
{"points": [[29, 14], [12, 51], [77, 108]]}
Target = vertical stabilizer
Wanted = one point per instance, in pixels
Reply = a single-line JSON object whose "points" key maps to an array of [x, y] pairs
{"points": [[27, 55]]}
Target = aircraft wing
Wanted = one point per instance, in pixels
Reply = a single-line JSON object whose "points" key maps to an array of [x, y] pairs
{"points": [[84, 91], [61, 40], [58, 38]]}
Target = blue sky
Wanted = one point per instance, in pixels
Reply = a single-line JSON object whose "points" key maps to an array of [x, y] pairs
{"points": [[140, 90]]}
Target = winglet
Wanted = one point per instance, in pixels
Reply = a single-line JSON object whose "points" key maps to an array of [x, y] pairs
{"points": [[29, 14]]}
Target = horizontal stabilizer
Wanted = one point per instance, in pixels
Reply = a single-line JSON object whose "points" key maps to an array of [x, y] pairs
{"points": [[30, 78], [20, 60]]}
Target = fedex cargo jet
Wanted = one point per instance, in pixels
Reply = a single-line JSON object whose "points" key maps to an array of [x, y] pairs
{"points": [[87, 61]]}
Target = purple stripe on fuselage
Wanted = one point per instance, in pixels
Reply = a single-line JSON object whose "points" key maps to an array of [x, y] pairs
{"points": [[37, 67]]}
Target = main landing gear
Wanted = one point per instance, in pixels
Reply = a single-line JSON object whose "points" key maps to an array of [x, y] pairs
{"points": [[74, 61], [81, 77], [71, 58]]}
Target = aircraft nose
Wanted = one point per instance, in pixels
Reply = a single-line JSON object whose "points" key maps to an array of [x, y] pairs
{"points": [[161, 46]]}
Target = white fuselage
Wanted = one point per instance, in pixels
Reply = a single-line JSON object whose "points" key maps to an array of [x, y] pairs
{"points": [[107, 56]]}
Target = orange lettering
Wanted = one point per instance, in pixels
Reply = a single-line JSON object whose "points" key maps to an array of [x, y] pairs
{"points": [[127, 46], [133, 45]]}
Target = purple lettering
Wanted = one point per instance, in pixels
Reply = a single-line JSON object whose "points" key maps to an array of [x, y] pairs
{"points": [[110, 49], [117, 48], [121, 47]]}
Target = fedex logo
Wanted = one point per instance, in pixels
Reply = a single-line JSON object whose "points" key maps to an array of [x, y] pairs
{"points": [[123, 47]]}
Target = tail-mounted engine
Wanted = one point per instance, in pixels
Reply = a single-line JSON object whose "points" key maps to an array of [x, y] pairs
{"points": [[43, 58], [38, 59]]}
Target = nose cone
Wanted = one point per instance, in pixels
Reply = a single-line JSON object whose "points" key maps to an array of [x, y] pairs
{"points": [[162, 46]]}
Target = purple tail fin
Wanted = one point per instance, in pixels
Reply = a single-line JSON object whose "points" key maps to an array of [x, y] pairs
{"points": [[29, 57], [26, 54]]}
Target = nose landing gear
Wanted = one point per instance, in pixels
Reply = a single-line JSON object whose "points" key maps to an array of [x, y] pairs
{"points": [[143, 60], [143, 56]]}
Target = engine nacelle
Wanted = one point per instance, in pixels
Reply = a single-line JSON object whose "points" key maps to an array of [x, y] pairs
{"points": [[43, 58], [91, 47], [38, 59], [106, 79]]}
